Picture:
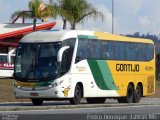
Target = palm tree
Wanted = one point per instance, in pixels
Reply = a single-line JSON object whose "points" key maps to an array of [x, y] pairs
{"points": [[60, 9], [76, 11], [34, 12]]}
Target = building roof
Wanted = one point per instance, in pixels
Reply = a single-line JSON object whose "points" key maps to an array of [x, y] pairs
{"points": [[12, 30]]}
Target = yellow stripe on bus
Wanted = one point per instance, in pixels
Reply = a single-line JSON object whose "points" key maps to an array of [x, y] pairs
{"points": [[107, 36]]}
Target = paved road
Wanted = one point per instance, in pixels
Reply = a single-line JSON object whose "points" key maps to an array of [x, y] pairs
{"points": [[147, 109], [107, 113], [109, 102]]}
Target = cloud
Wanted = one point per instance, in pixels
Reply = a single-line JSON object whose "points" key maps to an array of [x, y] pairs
{"points": [[144, 21], [126, 13], [129, 15], [98, 24], [128, 8], [59, 24], [151, 10]]}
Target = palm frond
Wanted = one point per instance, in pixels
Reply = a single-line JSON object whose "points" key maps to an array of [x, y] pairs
{"points": [[20, 14], [93, 14], [15, 14], [34, 11], [53, 10], [78, 11]]}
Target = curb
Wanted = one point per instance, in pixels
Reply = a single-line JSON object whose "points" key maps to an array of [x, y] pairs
{"points": [[20, 108]]}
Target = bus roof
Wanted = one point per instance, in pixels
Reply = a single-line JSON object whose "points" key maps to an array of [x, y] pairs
{"points": [[55, 36], [48, 36]]}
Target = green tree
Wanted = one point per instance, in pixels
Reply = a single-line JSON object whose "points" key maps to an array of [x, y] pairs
{"points": [[34, 12], [60, 8], [76, 11]]}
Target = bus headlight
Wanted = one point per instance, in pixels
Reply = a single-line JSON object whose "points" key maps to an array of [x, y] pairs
{"points": [[55, 84], [17, 86]]}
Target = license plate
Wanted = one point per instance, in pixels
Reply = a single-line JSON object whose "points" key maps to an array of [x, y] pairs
{"points": [[34, 94]]}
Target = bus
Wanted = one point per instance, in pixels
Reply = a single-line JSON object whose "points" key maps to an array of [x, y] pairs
{"points": [[7, 64], [75, 64]]}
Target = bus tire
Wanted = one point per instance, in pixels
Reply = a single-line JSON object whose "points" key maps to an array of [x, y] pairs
{"points": [[37, 102], [129, 97], [77, 96], [137, 94], [96, 100]]}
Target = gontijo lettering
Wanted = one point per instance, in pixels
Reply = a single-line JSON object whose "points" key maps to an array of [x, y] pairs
{"points": [[127, 67]]}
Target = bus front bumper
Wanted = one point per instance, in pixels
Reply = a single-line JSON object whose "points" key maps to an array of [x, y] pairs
{"points": [[48, 93]]}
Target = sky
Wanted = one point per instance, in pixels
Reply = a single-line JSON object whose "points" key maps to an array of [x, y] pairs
{"points": [[130, 16]]}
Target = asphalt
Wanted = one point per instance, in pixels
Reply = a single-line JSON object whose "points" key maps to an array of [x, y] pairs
{"points": [[148, 108], [65, 105], [140, 112]]}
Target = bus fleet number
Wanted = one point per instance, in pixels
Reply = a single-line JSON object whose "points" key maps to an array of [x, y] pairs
{"points": [[148, 68]]}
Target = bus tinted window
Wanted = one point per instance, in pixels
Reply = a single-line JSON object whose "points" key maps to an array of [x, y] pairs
{"points": [[114, 50], [68, 54], [69, 42], [83, 51], [120, 51], [111, 50], [47, 50], [130, 50], [150, 52], [95, 49], [139, 49], [105, 53]]}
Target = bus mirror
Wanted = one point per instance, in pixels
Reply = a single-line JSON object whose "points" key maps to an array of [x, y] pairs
{"points": [[10, 53], [60, 53]]}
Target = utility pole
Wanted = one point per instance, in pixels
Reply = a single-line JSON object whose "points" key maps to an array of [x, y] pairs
{"points": [[112, 16]]}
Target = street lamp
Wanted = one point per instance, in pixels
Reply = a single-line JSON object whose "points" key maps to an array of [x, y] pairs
{"points": [[112, 16]]}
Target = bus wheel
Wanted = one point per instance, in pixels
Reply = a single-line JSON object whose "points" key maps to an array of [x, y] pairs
{"points": [[137, 94], [95, 100], [77, 96], [129, 97], [37, 102]]}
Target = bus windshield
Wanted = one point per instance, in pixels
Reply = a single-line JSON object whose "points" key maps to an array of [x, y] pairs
{"points": [[37, 61]]}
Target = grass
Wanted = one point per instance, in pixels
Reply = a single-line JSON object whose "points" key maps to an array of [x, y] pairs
{"points": [[7, 92], [157, 92]]}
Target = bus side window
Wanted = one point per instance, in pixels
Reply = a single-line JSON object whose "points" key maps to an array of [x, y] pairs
{"points": [[105, 53], [150, 52], [95, 49], [65, 64], [67, 55], [83, 50], [111, 50]]}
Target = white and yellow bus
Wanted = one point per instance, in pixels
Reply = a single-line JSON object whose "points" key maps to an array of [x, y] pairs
{"points": [[84, 64]]}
